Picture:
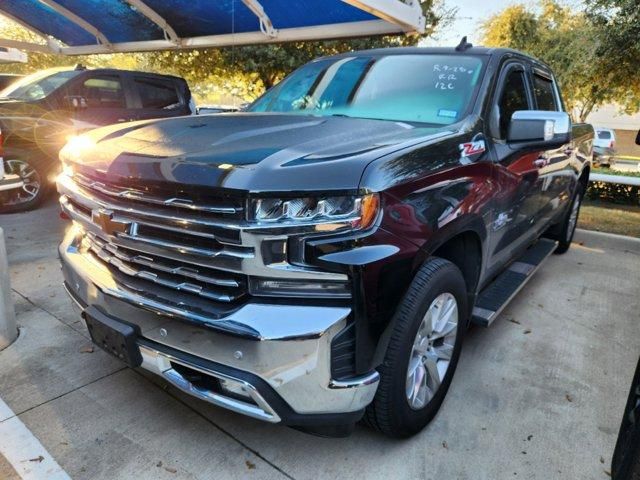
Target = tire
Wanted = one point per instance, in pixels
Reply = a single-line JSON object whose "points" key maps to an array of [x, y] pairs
{"points": [[568, 228], [625, 464], [391, 411], [36, 187]]}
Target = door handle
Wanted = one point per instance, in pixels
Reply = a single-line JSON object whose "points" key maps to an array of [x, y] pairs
{"points": [[541, 162]]}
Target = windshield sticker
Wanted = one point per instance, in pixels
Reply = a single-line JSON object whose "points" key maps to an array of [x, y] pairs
{"points": [[447, 77], [447, 113]]}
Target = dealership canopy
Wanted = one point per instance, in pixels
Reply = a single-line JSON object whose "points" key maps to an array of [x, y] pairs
{"points": [[78, 27]]}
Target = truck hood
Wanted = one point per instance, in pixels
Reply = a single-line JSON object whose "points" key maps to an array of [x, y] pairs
{"points": [[244, 151]]}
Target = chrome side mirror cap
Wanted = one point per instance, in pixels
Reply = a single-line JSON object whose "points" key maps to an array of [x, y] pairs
{"points": [[539, 126]]}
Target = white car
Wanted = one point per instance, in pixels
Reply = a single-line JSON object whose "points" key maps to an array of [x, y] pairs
{"points": [[604, 144]]}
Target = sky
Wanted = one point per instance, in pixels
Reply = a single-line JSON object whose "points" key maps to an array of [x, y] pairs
{"points": [[470, 14]]}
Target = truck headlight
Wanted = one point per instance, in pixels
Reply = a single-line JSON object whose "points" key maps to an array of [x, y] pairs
{"points": [[75, 147], [359, 211]]}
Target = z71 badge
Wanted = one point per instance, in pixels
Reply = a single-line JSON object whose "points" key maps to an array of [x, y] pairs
{"points": [[471, 148]]}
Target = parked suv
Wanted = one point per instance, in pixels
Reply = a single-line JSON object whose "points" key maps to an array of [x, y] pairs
{"points": [[604, 145], [38, 113], [318, 259]]}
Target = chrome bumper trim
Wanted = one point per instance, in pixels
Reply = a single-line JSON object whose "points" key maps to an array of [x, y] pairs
{"points": [[160, 364]]}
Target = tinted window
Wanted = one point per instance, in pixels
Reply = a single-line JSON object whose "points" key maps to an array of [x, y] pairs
{"points": [[157, 94], [434, 89], [38, 85], [514, 98], [103, 91], [543, 91], [604, 135]]}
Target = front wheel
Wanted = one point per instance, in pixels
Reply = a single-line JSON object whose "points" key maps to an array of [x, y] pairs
{"points": [[32, 193], [423, 351]]}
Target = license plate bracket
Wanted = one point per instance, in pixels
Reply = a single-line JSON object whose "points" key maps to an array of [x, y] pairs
{"points": [[114, 336]]}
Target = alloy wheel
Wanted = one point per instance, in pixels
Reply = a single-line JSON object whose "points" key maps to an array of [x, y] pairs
{"points": [[432, 350], [30, 177]]}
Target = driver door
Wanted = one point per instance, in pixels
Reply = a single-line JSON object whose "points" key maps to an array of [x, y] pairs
{"points": [[102, 101]]}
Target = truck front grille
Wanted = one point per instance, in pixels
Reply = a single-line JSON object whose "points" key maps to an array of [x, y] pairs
{"points": [[181, 256], [197, 280], [215, 206]]}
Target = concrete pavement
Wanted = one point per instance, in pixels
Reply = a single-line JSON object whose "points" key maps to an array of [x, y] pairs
{"points": [[538, 395]]}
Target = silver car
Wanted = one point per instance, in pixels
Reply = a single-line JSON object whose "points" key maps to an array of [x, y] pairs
{"points": [[604, 147]]}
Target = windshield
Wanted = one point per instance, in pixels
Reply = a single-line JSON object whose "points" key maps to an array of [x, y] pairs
{"points": [[38, 85], [434, 89], [604, 135]]}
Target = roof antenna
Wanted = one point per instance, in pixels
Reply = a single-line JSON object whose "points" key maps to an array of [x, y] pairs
{"points": [[463, 45]]}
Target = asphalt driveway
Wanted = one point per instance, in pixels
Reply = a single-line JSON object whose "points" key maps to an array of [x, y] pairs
{"points": [[538, 395]]}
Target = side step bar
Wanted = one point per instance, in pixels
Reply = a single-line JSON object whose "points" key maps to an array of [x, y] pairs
{"points": [[492, 300]]}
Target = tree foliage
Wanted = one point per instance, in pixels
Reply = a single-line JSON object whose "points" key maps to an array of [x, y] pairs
{"points": [[568, 41], [618, 22]]}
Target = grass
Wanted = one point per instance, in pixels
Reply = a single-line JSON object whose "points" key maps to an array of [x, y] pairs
{"points": [[610, 218], [608, 171]]}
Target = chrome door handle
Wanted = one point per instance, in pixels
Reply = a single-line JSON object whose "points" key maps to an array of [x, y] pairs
{"points": [[541, 162]]}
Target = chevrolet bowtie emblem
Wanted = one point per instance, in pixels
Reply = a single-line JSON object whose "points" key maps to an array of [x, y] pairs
{"points": [[104, 219]]}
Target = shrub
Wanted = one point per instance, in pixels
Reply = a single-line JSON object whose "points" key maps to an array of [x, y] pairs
{"points": [[614, 193]]}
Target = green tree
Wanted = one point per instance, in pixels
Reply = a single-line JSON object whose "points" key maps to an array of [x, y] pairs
{"points": [[567, 40], [618, 23]]}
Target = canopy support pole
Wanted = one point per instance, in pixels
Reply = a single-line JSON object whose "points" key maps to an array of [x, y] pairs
{"points": [[53, 44], [406, 14], [26, 46], [266, 26], [72, 17], [144, 9]]}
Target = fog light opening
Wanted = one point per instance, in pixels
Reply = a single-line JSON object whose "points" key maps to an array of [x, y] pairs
{"points": [[237, 390]]}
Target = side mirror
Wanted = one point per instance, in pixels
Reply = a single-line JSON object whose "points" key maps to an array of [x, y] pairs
{"points": [[77, 102], [539, 128]]}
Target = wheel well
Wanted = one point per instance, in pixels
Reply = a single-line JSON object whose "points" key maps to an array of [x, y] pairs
{"points": [[464, 250]]}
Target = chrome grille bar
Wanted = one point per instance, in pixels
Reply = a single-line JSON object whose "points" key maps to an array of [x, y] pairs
{"points": [[163, 265], [144, 197], [124, 264]]}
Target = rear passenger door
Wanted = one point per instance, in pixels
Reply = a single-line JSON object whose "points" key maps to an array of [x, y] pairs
{"points": [[104, 101], [556, 171], [157, 97]]}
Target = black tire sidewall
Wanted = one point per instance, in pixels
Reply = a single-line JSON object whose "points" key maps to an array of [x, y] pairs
{"points": [[563, 242], [447, 278]]}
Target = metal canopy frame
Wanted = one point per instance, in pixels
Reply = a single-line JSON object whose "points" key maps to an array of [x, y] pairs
{"points": [[395, 16]]}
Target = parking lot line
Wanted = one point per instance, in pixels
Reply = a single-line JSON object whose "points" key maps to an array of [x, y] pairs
{"points": [[24, 452]]}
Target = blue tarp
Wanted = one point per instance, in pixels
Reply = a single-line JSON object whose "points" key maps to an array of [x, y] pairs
{"points": [[121, 22]]}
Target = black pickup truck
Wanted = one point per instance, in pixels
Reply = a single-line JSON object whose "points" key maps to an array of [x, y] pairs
{"points": [[40, 112], [317, 259]]}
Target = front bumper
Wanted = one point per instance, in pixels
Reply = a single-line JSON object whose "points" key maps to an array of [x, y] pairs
{"points": [[283, 363]]}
